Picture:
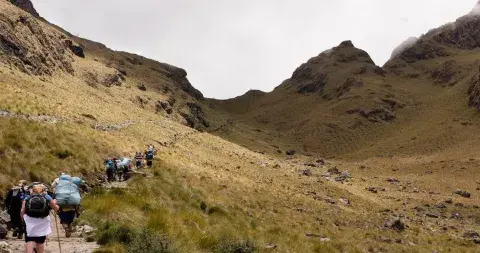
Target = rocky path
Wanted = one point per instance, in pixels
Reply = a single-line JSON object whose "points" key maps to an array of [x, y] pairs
{"points": [[68, 245]]}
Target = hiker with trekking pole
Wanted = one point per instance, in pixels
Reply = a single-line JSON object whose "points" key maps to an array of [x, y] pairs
{"points": [[35, 213], [67, 196]]}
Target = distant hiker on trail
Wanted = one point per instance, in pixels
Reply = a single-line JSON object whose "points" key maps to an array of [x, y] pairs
{"points": [[35, 212], [138, 160], [149, 155], [110, 169], [67, 196], [13, 205]]}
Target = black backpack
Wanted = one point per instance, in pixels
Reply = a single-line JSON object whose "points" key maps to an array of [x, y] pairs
{"points": [[37, 206]]}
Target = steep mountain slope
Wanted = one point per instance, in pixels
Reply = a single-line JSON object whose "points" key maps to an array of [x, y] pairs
{"points": [[68, 103], [340, 104], [51, 55]]}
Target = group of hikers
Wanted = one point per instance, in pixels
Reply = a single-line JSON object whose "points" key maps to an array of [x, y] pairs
{"points": [[29, 207], [118, 168]]}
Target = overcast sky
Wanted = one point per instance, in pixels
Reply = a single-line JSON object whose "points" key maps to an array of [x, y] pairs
{"points": [[229, 47]]}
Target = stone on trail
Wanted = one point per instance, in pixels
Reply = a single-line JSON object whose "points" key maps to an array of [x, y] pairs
{"points": [[290, 152], [449, 201], [333, 170], [270, 246], [375, 189], [5, 247]]}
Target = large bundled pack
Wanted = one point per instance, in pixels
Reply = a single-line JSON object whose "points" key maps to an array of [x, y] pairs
{"points": [[67, 193]]}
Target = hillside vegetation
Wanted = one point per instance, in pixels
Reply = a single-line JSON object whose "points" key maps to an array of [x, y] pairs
{"points": [[384, 157]]}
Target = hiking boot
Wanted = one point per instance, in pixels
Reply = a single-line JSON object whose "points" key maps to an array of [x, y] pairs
{"points": [[68, 233], [20, 236], [15, 233]]}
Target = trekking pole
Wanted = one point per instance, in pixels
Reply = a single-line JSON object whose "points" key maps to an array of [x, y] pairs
{"points": [[58, 233]]}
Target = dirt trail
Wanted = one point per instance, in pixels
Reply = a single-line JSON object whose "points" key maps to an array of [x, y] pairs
{"points": [[69, 245]]}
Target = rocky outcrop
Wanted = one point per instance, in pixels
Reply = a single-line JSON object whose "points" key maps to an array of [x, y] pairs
{"points": [[196, 117], [31, 46], [26, 5], [179, 77], [76, 49], [474, 91]]}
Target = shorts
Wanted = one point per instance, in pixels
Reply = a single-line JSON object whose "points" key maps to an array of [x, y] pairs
{"points": [[138, 164], [36, 239], [67, 217], [149, 163]]}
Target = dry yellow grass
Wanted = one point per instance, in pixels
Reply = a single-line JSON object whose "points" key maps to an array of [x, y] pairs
{"points": [[207, 194]]}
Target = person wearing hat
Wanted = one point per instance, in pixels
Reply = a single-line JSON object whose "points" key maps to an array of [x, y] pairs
{"points": [[13, 204]]}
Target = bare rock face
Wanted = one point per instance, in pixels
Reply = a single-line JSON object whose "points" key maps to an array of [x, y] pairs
{"points": [[474, 92], [30, 46], [26, 5], [196, 117], [179, 76]]}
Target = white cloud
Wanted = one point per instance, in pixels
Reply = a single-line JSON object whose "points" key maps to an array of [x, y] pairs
{"points": [[228, 47]]}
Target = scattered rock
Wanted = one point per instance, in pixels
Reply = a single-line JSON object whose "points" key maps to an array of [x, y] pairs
{"points": [[307, 172], [320, 161], [311, 165], [471, 234], [395, 223], [344, 176], [290, 152], [449, 201], [416, 190], [431, 215], [142, 87], [457, 216], [375, 189], [392, 180], [345, 201], [270, 246], [322, 239], [441, 205], [333, 170], [464, 194], [330, 201]]}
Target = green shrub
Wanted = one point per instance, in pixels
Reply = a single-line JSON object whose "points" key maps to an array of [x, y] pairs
{"points": [[64, 154], [149, 241], [115, 234], [235, 245]]}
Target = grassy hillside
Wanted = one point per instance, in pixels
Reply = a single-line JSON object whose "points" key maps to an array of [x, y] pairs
{"points": [[207, 194]]}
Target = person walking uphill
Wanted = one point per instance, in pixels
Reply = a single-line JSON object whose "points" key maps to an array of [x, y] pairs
{"points": [[35, 212], [13, 204], [68, 198]]}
